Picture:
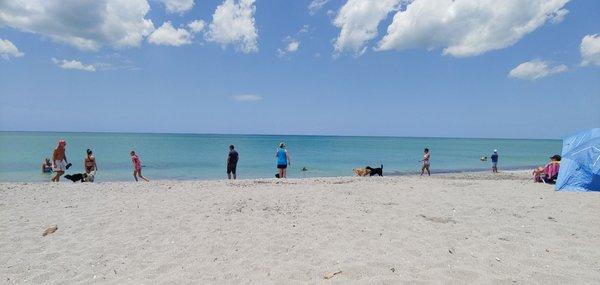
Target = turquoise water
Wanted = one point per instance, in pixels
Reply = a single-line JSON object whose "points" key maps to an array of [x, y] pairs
{"points": [[195, 156]]}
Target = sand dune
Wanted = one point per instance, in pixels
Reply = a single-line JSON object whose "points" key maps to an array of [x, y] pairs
{"points": [[451, 228]]}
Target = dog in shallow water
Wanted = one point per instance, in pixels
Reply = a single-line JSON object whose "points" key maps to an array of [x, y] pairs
{"points": [[375, 171], [83, 177], [361, 171]]}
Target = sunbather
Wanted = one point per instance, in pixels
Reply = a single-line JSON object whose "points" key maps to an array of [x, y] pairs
{"points": [[548, 173]]}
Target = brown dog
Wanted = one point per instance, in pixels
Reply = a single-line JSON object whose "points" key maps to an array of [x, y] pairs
{"points": [[361, 171]]}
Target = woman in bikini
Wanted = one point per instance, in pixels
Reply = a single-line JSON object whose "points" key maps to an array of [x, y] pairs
{"points": [[90, 162], [425, 161]]}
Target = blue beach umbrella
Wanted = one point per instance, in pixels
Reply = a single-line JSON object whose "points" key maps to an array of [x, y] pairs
{"points": [[580, 165]]}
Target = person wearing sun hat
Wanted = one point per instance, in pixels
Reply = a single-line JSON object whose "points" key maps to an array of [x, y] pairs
{"points": [[494, 158], [59, 160], [549, 173]]}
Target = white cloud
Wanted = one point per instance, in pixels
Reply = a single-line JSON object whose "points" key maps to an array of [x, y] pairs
{"points": [[558, 16], [316, 5], [196, 26], [590, 50], [303, 30], [247, 98], [358, 21], [468, 27], [73, 64], [178, 6], [114, 61], [169, 36], [8, 50], [86, 25], [535, 69], [292, 44], [233, 24]]}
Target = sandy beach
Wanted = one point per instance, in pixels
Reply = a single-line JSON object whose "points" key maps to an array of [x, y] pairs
{"points": [[448, 228]]}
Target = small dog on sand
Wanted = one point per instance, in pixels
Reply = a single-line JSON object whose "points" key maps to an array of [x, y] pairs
{"points": [[361, 171], [83, 177], [375, 171]]}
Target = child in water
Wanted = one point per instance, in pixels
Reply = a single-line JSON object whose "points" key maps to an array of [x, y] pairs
{"points": [[137, 166], [47, 166]]}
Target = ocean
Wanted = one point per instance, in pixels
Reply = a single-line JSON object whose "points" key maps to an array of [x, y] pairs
{"points": [[203, 156]]}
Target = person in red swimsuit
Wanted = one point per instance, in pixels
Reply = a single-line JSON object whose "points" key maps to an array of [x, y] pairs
{"points": [[137, 166]]}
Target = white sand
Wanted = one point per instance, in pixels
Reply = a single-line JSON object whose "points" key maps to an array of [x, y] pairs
{"points": [[452, 228]]}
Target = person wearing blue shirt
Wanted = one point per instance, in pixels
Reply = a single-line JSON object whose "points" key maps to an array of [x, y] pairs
{"points": [[283, 160], [495, 161]]}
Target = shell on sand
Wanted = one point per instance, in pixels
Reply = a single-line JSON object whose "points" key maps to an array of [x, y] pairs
{"points": [[331, 274], [50, 230]]}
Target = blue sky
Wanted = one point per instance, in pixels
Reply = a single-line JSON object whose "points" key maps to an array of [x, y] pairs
{"points": [[515, 68]]}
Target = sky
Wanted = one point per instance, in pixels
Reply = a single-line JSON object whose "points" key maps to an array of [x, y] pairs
{"points": [[427, 68]]}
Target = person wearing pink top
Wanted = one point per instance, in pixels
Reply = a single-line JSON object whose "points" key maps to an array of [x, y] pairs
{"points": [[137, 166], [548, 173]]}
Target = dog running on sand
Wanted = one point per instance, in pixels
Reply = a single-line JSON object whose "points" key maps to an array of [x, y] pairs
{"points": [[361, 171]]}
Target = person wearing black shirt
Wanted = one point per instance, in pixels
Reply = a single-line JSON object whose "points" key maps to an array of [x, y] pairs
{"points": [[232, 160]]}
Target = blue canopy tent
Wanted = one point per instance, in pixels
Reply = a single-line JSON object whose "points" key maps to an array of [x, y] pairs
{"points": [[580, 165]]}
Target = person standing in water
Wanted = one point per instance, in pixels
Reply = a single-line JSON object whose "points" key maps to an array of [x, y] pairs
{"points": [[90, 162], [495, 161], [59, 160], [283, 160], [425, 161], [137, 166], [47, 166], [232, 160]]}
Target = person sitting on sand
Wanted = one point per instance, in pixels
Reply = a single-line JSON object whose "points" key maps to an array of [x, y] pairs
{"points": [[137, 166], [425, 161], [59, 160], [90, 162], [283, 160], [47, 166], [548, 173]]}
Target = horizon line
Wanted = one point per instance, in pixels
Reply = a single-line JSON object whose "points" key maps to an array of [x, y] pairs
{"points": [[267, 134]]}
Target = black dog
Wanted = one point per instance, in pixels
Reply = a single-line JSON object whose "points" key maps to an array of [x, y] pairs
{"points": [[77, 177], [376, 171]]}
